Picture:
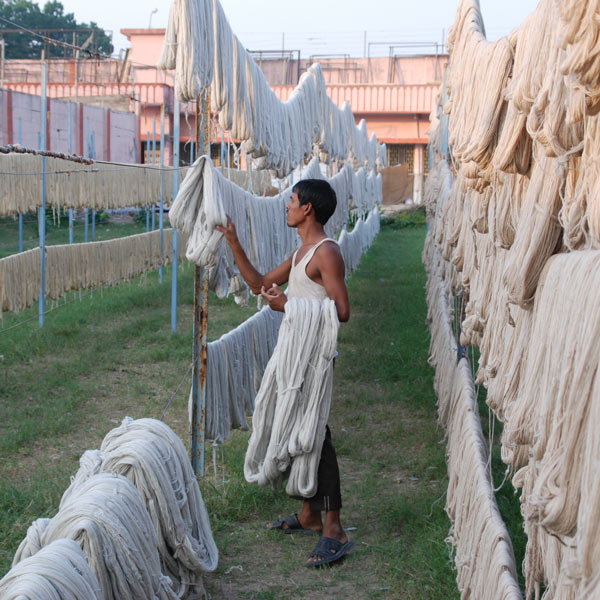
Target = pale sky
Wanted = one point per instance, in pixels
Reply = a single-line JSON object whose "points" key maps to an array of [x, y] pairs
{"points": [[314, 26]]}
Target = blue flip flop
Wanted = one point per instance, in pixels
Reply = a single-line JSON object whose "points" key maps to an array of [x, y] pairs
{"points": [[329, 551], [293, 526]]}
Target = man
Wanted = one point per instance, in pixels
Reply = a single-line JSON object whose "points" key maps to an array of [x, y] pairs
{"points": [[316, 271]]}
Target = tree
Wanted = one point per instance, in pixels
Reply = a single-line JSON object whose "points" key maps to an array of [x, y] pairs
{"points": [[52, 17]]}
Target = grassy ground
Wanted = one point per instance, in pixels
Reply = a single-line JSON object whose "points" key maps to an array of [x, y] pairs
{"points": [[57, 230], [112, 355]]}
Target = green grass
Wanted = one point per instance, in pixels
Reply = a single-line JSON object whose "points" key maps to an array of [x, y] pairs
{"points": [[414, 217], [112, 354], [57, 231]]}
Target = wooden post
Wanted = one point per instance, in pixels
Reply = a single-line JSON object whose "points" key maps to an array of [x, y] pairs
{"points": [[175, 261], [200, 349]]}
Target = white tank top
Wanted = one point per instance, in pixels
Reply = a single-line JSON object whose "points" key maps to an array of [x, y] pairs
{"points": [[300, 285]]}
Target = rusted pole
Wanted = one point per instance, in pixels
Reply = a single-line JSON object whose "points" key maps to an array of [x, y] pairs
{"points": [[198, 442]]}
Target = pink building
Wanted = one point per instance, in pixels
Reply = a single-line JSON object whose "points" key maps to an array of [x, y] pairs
{"points": [[394, 95]]}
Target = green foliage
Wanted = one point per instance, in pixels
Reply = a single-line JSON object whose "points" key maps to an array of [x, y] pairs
{"points": [[140, 215], [407, 218], [102, 217], [52, 16]]}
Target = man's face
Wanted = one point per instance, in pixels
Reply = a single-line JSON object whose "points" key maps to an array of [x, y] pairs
{"points": [[295, 211]]}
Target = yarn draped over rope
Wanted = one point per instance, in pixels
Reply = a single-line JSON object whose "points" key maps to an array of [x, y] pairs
{"points": [[484, 555], [292, 405], [206, 197], [97, 186], [236, 363], [204, 52], [59, 571], [515, 233], [80, 267]]}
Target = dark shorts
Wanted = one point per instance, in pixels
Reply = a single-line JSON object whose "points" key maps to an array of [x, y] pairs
{"points": [[329, 495]]}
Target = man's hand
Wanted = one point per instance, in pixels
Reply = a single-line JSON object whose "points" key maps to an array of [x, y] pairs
{"points": [[229, 231], [275, 297]]}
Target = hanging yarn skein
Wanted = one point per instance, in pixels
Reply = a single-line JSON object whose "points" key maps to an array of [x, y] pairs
{"points": [[206, 197], [292, 405], [201, 47]]}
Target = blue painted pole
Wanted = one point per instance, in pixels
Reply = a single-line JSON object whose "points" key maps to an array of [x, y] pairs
{"points": [[71, 228], [192, 147], [147, 161], [222, 148], [93, 156], [70, 149], [20, 142], [154, 163], [20, 232], [42, 211], [175, 261], [162, 192], [86, 155]]}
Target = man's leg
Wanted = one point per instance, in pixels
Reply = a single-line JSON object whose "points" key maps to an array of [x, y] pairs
{"points": [[328, 498]]}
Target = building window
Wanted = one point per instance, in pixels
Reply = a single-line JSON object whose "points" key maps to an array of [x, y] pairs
{"points": [[402, 154], [148, 154]]}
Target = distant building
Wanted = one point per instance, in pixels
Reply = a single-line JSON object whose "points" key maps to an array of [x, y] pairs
{"points": [[395, 95]]}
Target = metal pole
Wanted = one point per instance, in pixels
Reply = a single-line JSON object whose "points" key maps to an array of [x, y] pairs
{"points": [[175, 261], [42, 211], [154, 163], [20, 232], [86, 210], [222, 148], [20, 142], [162, 192], [70, 149], [147, 160], [93, 156], [200, 320], [191, 147], [227, 159]]}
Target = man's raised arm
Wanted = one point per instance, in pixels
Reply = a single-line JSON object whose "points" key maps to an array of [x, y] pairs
{"points": [[255, 280]]}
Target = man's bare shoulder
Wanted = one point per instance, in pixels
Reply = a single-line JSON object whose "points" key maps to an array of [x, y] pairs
{"points": [[329, 253], [329, 249]]}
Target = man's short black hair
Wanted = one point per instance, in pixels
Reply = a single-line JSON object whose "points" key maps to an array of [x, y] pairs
{"points": [[320, 194]]}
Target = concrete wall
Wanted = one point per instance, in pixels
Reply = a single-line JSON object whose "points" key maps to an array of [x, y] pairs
{"points": [[72, 127]]}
